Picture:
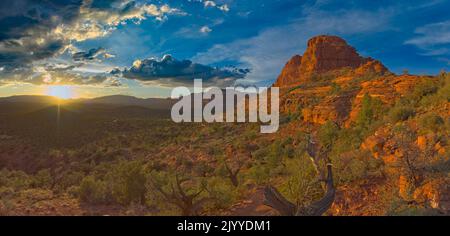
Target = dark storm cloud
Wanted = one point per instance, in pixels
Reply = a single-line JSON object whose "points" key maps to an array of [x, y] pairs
{"points": [[90, 55], [19, 55], [171, 71], [27, 29], [14, 27], [102, 4], [116, 71], [33, 30]]}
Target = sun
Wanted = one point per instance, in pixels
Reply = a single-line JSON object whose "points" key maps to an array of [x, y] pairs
{"points": [[60, 91]]}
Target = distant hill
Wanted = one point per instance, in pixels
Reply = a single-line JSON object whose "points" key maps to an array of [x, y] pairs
{"points": [[118, 100], [123, 100], [28, 112], [29, 98], [25, 103]]}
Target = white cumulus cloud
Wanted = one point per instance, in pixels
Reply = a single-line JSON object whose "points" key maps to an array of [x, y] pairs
{"points": [[205, 29]]}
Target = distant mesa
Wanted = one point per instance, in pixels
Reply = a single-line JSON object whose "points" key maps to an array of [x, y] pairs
{"points": [[326, 54]]}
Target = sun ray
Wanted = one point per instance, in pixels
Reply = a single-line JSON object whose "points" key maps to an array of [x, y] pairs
{"points": [[60, 91]]}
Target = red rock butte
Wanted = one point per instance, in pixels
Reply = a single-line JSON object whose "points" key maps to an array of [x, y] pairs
{"points": [[326, 54]]}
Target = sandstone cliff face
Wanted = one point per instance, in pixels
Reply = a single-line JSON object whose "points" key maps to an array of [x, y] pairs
{"points": [[307, 82], [335, 108], [291, 71], [325, 54]]}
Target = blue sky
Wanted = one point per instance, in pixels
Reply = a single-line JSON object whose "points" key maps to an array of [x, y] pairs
{"points": [[217, 39]]}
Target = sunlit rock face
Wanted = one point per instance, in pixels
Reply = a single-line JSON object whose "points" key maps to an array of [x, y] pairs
{"points": [[326, 54], [291, 72]]}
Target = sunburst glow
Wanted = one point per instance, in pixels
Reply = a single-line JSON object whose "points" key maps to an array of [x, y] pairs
{"points": [[60, 91]]}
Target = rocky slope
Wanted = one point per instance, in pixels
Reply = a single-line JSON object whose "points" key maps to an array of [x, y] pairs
{"points": [[325, 54], [330, 82], [330, 79]]}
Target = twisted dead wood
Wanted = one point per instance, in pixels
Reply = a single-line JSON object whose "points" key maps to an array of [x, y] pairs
{"points": [[274, 199]]}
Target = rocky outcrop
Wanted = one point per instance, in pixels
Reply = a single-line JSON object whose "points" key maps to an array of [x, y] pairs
{"points": [[326, 54], [330, 79], [291, 71], [309, 78], [359, 199], [436, 193], [388, 89], [335, 108], [328, 83], [371, 67]]}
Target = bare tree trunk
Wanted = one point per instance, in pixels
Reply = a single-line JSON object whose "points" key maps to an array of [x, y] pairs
{"points": [[233, 174], [275, 200]]}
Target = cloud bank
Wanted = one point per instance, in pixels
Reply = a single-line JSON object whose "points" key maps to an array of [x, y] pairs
{"points": [[36, 30], [169, 72]]}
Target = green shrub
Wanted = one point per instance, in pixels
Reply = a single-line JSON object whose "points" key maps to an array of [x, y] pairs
{"points": [[275, 154], [43, 179], [70, 179], [355, 166], [322, 77], [431, 122], [328, 133], [74, 191], [371, 110], [18, 180], [259, 173], [128, 183], [368, 76], [202, 168], [347, 140], [335, 88], [93, 191], [301, 185], [222, 192], [402, 208], [442, 95], [401, 114], [444, 91], [424, 88], [260, 154]]}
